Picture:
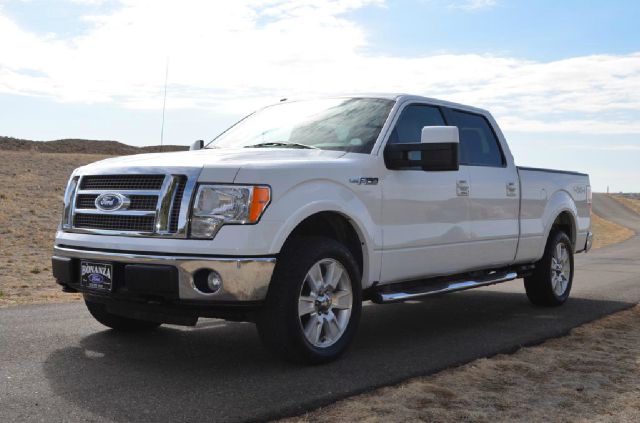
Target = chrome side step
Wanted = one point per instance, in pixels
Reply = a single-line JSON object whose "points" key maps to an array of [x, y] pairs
{"points": [[440, 287]]}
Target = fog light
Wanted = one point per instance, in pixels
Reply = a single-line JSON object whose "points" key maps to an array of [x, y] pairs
{"points": [[207, 281], [214, 281]]}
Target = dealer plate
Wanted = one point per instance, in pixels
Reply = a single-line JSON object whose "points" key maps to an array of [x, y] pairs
{"points": [[96, 276]]}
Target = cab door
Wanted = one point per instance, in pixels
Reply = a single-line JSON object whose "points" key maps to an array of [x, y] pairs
{"points": [[494, 197], [425, 214]]}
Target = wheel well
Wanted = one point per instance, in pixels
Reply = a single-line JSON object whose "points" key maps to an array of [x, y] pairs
{"points": [[335, 226], [564, 223]]}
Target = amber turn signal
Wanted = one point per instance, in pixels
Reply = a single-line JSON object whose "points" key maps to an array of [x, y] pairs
{"points": [[259, 202]]}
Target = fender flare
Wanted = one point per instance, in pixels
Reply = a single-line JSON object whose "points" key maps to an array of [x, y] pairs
{"points": [[332, 200], [560, 202]]}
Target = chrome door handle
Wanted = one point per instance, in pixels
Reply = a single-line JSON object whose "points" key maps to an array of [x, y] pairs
{"points": [[462, 188], [512, 189]]}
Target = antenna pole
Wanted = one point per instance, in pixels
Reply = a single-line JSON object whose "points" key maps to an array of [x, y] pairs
{"points": [[164, 104]]}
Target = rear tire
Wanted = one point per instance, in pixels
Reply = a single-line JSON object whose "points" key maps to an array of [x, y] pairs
{"points": [[550, 283], [314, 302], [119, 323]]}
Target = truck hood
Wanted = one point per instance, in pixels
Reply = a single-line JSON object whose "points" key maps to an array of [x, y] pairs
{"points": [[220, 164]]}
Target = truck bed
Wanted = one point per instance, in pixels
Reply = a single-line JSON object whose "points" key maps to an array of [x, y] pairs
{"points": [[544, 195]]}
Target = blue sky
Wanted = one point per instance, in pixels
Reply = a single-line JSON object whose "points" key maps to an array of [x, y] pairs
{"points": [[562, 78]]}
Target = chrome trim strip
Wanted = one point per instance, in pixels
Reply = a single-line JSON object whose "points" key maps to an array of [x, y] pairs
{"points": [[116, 212], [243, 278], [113, 232], [185, 207], [120, 191], [588, 242], [387, 297], [69, 202], [163, 207]]}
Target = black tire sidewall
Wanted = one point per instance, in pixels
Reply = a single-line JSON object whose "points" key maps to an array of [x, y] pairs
{"points": [[539, 285], [294, 264], [559, 237]]}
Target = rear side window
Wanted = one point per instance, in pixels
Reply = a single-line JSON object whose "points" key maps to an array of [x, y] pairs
{"points": [[408, 129], [478, 144]]}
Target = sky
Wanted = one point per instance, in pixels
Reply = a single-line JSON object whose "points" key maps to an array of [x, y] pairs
{"points": [[562, 78]]}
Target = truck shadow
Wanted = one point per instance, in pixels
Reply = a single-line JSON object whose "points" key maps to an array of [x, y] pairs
{"points": [[220, 372]]}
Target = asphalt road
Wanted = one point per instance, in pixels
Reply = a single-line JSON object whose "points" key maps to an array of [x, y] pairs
{"points": [[58, 364]]}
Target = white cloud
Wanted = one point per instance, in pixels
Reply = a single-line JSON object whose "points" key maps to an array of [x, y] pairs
{"points": [[473, 4], [235, 56]]}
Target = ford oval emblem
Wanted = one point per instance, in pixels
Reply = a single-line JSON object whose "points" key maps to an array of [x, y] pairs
{"points": [[96, 278], [110, 202]]}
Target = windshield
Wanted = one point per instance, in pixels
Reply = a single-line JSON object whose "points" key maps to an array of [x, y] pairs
{"points": [[346, 124]]}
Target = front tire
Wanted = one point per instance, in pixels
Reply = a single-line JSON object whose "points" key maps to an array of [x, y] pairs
{"points": [[119, 323], [314, 302], [550, 283]]}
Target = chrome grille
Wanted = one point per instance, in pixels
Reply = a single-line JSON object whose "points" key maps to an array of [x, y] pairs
{"points": [[111, 222], [150, 182], [138, 202], [175, 207], [86, 201], [151, 204]]}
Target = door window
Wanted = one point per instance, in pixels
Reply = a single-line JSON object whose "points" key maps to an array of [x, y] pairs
{"points": [[478, 143], [408, 129]]}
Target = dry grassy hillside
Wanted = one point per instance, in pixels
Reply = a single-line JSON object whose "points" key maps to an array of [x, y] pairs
{"points": [[30, 206], [81, 146], [632, 203]]}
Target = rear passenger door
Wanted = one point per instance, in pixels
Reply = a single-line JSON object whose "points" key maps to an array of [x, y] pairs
{"points": [[494, 198]]}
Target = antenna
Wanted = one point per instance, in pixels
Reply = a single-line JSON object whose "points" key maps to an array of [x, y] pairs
{"points": [[164, 103]]}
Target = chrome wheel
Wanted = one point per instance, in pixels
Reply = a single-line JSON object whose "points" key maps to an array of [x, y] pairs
{"points": [[325, 302], [560, 269]]}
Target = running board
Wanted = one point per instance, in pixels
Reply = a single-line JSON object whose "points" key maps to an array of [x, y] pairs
{"points": [[426, 289]]}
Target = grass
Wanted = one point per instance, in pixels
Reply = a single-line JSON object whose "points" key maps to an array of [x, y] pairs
{"points": [[593, 374], [30, 206], [632, 203], [607, 232]]}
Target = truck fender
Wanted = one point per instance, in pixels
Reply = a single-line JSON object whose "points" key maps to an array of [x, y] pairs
{"points": [[311, 197], [560, 202]]}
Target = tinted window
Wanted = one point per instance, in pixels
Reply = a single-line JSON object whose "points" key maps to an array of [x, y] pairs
{"points": [[413, 118], [478, 143]]}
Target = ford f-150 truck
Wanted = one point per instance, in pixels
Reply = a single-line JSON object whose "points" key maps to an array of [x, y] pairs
{"points": [[301, 211]]}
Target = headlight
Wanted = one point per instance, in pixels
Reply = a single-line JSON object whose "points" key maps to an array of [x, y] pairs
{"points": [[216, 205]]}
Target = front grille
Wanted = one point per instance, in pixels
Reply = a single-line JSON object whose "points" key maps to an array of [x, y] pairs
{"points": [[143, 202], [175, 208], [140, 182], [152, 205], [86, 201], [138, 202], [114, 222]]}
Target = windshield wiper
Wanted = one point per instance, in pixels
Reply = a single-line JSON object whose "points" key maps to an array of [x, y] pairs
{"points": [[281, 144]]}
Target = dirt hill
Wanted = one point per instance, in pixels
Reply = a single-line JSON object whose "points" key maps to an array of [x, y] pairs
{"points": [[112, 148]]}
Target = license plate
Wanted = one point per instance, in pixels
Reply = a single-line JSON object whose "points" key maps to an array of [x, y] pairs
{"points": [[97, 276]]}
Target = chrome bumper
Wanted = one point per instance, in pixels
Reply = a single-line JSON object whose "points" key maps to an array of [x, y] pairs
{"points": [[589, 242], [244, 279]]}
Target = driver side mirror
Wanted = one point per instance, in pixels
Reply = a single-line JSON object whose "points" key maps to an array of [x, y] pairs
{"points": [[437, 151], [197, 145]]}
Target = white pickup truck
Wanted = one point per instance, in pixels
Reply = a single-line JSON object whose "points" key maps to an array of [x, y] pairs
{"points": [[303, 210]]}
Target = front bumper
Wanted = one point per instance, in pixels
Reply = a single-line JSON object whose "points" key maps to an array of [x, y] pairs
{"points": [[244, 279]]}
